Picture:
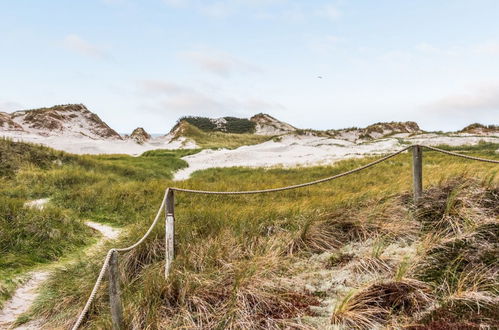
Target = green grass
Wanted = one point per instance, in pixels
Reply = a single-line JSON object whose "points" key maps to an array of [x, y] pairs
{"points": [[231, 250], [235, 254], [110, 188], [212, 140]]}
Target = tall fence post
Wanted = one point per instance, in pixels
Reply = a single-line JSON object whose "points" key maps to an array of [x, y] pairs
{"points": [[114, 292], [169, 230], [417, 172]]}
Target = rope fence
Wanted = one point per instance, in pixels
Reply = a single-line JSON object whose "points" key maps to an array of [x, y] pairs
{"points": [[168, 205], [106, 264], [462, 156]]}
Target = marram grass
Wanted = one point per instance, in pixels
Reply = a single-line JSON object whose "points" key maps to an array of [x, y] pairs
{"points": [[236, 255]]}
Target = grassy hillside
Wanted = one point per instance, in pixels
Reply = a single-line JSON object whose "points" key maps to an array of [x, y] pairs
{"points": [[352, 252], [214, 139], [111, 188], [228, 124]]}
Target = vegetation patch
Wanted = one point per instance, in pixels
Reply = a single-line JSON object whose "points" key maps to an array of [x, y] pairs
{"points": [[217, 139], [236, 256], [373, 306], [224, 124]]}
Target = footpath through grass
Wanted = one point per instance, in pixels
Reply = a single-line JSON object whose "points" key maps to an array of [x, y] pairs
{"points": [[237, 255], [115, 189]]}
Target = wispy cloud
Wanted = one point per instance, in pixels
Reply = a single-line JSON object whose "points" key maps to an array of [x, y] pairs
{"points": [[182, 100], [219, 63], [479, 98], [487, 48], [176, 3], [324, 43], [490, 47], [113, 2], [75, 43], [220, 8], [425, 47], [330, 11], [261, 9], [162, 87]]}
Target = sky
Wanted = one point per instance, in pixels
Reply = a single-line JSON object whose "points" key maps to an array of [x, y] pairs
{"points": [[319, 64]]}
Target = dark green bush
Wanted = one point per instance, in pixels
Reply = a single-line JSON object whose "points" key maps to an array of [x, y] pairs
{"points": [[232, 124], [239, 125], [200, 122]]}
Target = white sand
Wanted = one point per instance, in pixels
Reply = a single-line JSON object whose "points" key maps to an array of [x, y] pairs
{"points": [[22, 299], [291, 150], [105, 230], [311, 150], [37, 203], [84, 145]]}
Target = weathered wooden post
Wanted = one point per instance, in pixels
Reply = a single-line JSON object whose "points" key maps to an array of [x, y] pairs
{"points": [[169, 230], [417, 172], [114, 292]]}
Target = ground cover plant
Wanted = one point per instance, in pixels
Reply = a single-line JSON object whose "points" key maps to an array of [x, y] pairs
{"points": [[80, 188], [225, 124], [209, 139], [351, 253]]}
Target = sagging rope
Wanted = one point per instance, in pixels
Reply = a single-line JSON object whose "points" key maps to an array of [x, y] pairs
{"points": [[301, 185], [108, 256], [106, 264], [462, 156]]}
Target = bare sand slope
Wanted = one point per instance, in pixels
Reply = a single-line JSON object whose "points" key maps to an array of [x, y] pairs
{"points": [[292, 150]]}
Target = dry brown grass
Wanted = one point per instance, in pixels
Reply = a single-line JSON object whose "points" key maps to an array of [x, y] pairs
{"points": [[373, 306], [236, 256]]}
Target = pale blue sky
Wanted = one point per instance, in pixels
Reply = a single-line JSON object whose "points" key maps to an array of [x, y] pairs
{"points": [[146, 63]]}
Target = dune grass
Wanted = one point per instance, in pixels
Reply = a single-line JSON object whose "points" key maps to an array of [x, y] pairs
{"points": [[236, 255], [110, 188], [215, 140]]}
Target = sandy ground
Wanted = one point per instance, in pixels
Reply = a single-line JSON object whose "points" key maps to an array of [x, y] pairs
{"points": [[106, 231], [37, 203], [24, 296], [337, 282], [289, 151], [82, 145], [22, 299], [311, 150]]}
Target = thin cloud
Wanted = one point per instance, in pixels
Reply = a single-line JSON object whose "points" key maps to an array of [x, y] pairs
{"points": [[487, 48], [331, 12], [325, 43], [260, 9], [481, 98], [162, 87], [219, 63], [427, 48], [75, 43], [490, 47], [217, 9], [164, 96], [177, 3]]}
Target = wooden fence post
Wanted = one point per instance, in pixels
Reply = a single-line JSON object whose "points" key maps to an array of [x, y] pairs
{"points": [[114, 292], [169, 230], [417, 172]]}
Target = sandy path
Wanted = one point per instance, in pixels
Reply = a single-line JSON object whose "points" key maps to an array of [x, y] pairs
{"points": [[107, 231], [22, 299], [24, 296]]}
